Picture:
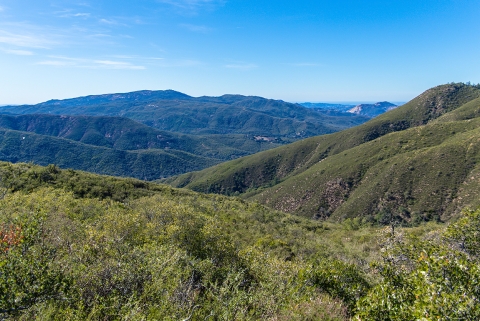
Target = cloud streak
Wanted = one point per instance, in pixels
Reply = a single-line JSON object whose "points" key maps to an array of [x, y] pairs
{"points": [[306, 64], [57, 63], [108, 21], [109, 64], [61, 61], [19, 52], [24, 40], [193, 6], [68, 13]]}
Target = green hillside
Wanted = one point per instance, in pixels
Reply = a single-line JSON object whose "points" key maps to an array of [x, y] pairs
{"points": [[160, 133], [417, 162], [150, 164], [78, 246], [126, 134]]}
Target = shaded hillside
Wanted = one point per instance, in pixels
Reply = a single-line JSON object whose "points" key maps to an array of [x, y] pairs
{"points": [[353, 172], [126, 134], [228, 114], [150, 164]]}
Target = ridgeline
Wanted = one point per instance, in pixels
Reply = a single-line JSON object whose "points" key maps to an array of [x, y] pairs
{"points": [[415, 163]]}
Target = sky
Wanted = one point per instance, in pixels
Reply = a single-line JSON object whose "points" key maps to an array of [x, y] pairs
{"points": [[297, 51]]}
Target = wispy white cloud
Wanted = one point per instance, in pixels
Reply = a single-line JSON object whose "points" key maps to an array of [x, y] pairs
{"points": [[1, 9], [62, 61], [69, 14], [306, 64], [19, 52], [241, 66], [108, 21], [58, 63], [192, 6], [196, 28], [67, 58], [24, 40], [99, 35], [134, 57], [109, 64]]}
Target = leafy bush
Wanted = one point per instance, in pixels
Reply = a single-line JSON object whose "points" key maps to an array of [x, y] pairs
{"points": [[433, 279]]}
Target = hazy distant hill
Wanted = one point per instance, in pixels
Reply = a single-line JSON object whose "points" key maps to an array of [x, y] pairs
{"points": [[229, 114], [328, 106], [420, 161], [367, 110], [372, 110]]}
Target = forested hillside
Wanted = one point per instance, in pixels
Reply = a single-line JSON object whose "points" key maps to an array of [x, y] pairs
{"points": [[116, 145], [173, 111], [155, 134], [415, 163]]}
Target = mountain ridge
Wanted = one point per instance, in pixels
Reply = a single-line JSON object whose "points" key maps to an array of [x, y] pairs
{"points": [[227, 114], [213, 128], [260, 176]]}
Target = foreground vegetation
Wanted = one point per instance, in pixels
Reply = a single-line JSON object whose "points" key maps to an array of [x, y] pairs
{"points": [[77, 246]]}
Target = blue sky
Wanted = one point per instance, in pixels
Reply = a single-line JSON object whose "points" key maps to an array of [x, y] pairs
{"points": [[318, 51]]}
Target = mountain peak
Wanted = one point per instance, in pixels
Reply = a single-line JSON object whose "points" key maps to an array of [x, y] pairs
{"points": [[140, 95]]}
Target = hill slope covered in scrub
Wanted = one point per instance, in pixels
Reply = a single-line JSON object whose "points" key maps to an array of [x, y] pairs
{"points": [[417, 162], [78, 246]]}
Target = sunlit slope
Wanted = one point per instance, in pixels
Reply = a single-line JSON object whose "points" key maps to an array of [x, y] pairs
{"points": [[348, 158], [422, 173]]}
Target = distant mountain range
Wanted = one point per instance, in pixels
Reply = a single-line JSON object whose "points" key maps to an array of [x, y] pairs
{"points": [[174, 111], [155, 134], [420, 161]]}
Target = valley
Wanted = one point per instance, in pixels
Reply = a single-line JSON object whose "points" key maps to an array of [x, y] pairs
{"points": [[368, 223], [156, 134]]}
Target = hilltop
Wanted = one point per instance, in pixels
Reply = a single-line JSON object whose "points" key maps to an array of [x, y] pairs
{"points": [[414, 163]]}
